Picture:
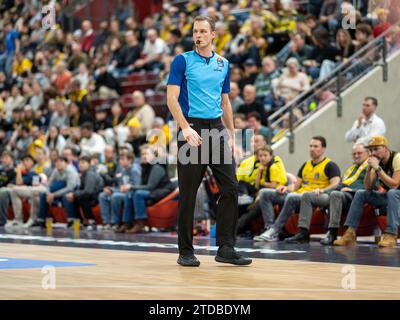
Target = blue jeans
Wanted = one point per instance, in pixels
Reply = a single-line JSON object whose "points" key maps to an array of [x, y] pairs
{"points": [[112, 205], [139, 203], [391, 199], [44, 206]]}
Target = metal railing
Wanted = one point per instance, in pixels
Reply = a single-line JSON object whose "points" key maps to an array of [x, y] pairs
{"points": [[336, 82]]}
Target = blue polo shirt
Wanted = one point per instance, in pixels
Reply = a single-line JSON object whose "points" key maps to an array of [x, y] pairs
{"points": [[202, 81]]}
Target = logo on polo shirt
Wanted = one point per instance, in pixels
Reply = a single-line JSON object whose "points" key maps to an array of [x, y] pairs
{"points": [[220, 64]]}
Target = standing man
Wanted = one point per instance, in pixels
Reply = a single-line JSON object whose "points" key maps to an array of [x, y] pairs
{"points": [[197, 96], [367, 125], [383, 165]]}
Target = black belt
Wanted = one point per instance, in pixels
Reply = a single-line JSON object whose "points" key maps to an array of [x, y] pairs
{"points": [[204, 121]]}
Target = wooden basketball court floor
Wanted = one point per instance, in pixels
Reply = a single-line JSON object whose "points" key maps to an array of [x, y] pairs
{"points": [[144, 267]]}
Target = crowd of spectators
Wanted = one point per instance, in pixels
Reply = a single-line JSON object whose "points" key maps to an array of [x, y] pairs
{"points": [[50, 78]]}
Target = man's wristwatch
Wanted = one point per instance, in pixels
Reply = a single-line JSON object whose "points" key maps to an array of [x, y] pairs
{"points": [[379, 169]]}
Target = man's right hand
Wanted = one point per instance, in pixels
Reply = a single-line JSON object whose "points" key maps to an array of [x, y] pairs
{"points": [[191, 136], [360, 120], [107, 190]]}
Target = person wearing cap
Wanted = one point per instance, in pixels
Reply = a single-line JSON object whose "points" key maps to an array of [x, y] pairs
{"points": [[383, 165], [367, 125], [197, 96]]}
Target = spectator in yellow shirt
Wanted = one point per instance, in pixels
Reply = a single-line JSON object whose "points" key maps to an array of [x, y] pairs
{"points": [[262, 170]]}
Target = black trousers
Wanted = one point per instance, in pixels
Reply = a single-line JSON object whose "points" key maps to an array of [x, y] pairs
{"points": [[86, 203], [192, 164]]}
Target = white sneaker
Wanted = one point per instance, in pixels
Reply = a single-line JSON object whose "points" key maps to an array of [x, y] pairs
{"points": [[100, 227], [245, 199], [28, 224], [271, 235]]}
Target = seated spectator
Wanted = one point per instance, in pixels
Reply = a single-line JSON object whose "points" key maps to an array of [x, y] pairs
{"points": [[7, 177], [63, 180], [250, 73], [78, 95], [134, 139], [88, 37], [318, 174], [106, 85], [254, 123], [382, 24], [337, 200], [329, 15], [59, 118], [235, 49], [142, 111], [78, 117], [86, 196], [128, 55], [91, 142], [383, 165], [367, 125], [234, 97], [256, 172], [116, 196], [55, 140], [154, 49], [298, 48], [366, 60], [344, 43], [268, 171], [62, 78], [222, 38], [323, 50], [251, 105], [292, 81], [42, 163], [29, 189], [116, 116], [265, 79], [155, 185], [77, 57]]}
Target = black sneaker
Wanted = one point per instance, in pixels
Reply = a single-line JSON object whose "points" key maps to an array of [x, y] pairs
{"points": [[188, 260], [227, 254], [302, 237], [283, 234], [70, 223], [39, 223]]}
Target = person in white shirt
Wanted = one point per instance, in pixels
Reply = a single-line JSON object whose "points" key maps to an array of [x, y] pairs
{"points": [[153, 51], [367, 125], [91, 142]]}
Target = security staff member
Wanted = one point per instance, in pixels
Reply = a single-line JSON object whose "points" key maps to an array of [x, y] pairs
{"points": [[197, 96]]}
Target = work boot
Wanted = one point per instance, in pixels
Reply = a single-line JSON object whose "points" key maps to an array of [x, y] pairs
{"points": [[389, 241], [349, 238]]}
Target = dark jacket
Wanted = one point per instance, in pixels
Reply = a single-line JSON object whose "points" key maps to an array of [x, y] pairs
{"points": [[155, 179], [91, 184]]}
